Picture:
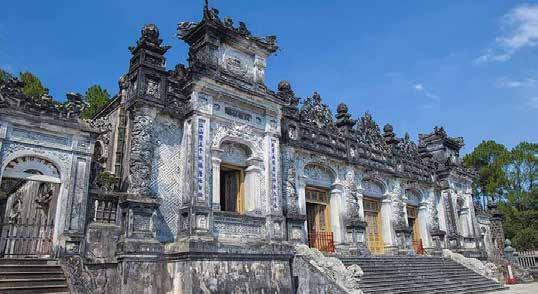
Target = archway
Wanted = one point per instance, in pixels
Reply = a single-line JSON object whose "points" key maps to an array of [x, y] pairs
{"points": [[322, 207], [29, 190], [236, 178], [373, 193], [415, 220]]}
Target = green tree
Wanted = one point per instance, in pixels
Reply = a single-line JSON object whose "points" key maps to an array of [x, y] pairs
{"points": [[32, 85], [489, 159], [97, 98], [3, 75], [523, 168]]}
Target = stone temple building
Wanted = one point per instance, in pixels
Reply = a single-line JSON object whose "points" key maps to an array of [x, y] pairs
{"points": [[201, 179]]}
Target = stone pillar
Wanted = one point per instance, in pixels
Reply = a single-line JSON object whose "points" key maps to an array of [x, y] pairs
{"points": [[335, 209], [464, 222], [386, 224], [216, 180], [138, 226], [3, 134], [422, 219], [301, 187], [252, 188]]}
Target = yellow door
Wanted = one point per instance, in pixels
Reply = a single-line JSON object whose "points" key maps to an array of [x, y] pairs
{"points": [[413, 223], [374, 238]]}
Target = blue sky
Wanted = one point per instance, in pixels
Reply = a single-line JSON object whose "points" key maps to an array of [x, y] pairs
{"points": [[469, 66]]}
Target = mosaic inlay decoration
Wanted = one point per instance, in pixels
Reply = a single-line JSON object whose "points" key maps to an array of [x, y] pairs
{"points": [[200, 155], [274, 186]]}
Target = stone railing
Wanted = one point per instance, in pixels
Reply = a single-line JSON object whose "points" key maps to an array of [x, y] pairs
{"points": [[317, 273], [104, 207], [527, 259], [230, 224], [486, 269]]}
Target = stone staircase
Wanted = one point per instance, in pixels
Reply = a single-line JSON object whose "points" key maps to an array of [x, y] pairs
{"points": [[391, 274], [19, 276]]}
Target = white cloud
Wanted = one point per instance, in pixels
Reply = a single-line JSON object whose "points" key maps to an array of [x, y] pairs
{"points": [[520, 26], [533, 102], [505, 82], [433, 99]]}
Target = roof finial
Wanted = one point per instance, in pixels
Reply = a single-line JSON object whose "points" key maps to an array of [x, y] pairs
{"points": [[206, 6]]}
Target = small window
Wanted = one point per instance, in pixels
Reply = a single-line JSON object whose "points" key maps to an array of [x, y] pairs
{"points": [[231, 188]]}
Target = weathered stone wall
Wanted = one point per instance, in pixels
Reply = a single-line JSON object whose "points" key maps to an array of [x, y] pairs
{"points": [[166, 175], [141, 276], [312, 281], [106, 277], [231, 276]]}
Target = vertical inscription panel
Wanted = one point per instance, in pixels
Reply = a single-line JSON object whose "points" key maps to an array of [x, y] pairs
{"points": [[78, 194], [200, 160]]}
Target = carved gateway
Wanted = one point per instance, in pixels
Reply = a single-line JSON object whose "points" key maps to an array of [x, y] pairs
{"points": [[319, 175]]}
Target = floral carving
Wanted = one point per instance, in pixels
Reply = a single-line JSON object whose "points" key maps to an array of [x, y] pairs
{"points": [[315, 112]]}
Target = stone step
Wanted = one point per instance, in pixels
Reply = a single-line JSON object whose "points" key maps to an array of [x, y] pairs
{"points": [[430, 284], [418, 275], [60, 288], [32, 261], [409, 280], [29, 267], [414, 271], [422, 267], [4, 283], [37, 276], [31, 275], [428, 288]]}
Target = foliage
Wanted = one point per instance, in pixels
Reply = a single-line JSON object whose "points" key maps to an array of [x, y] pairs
{"points": [[97, 98], [3, 75], [489, 159], [32, 85], [510, 178]]}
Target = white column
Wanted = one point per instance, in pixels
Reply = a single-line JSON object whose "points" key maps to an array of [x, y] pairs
{"points": [[301, 186], [335, 208], [386, 220], [252, 188], [441, 211], [216, 183], [361, 204], [464, 222], [422, 219]]}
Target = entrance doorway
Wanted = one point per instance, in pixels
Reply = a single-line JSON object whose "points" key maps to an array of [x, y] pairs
{"points": [[231, 188], [374, 238], [29, 192], [415, 230], [318, 223]]}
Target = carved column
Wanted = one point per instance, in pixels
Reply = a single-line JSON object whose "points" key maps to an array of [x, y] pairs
{"points": [[464, 222], [422, 219], [137, 221], [3, 133], [141, 151], [386, 224], [216, 161], [335, 209], [252, 188]]}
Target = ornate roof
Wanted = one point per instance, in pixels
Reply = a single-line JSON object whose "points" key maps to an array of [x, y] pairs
{"points": [[211, 18], [315, 112], [13, 97], [311, 126]]}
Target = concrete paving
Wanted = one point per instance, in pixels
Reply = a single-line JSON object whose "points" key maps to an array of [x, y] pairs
{"points": [[521, 289]]}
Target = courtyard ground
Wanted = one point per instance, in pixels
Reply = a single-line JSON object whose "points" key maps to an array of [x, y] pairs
{"points": [[521, 289]]}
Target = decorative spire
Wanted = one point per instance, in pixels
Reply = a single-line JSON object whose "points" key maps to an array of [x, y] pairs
{"points": [[314, 111], [389, 135], [149, 39], [343, 118]]}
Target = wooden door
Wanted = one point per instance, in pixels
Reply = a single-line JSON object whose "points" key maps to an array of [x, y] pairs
{"points": [[317, 205], [374, 238]]}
